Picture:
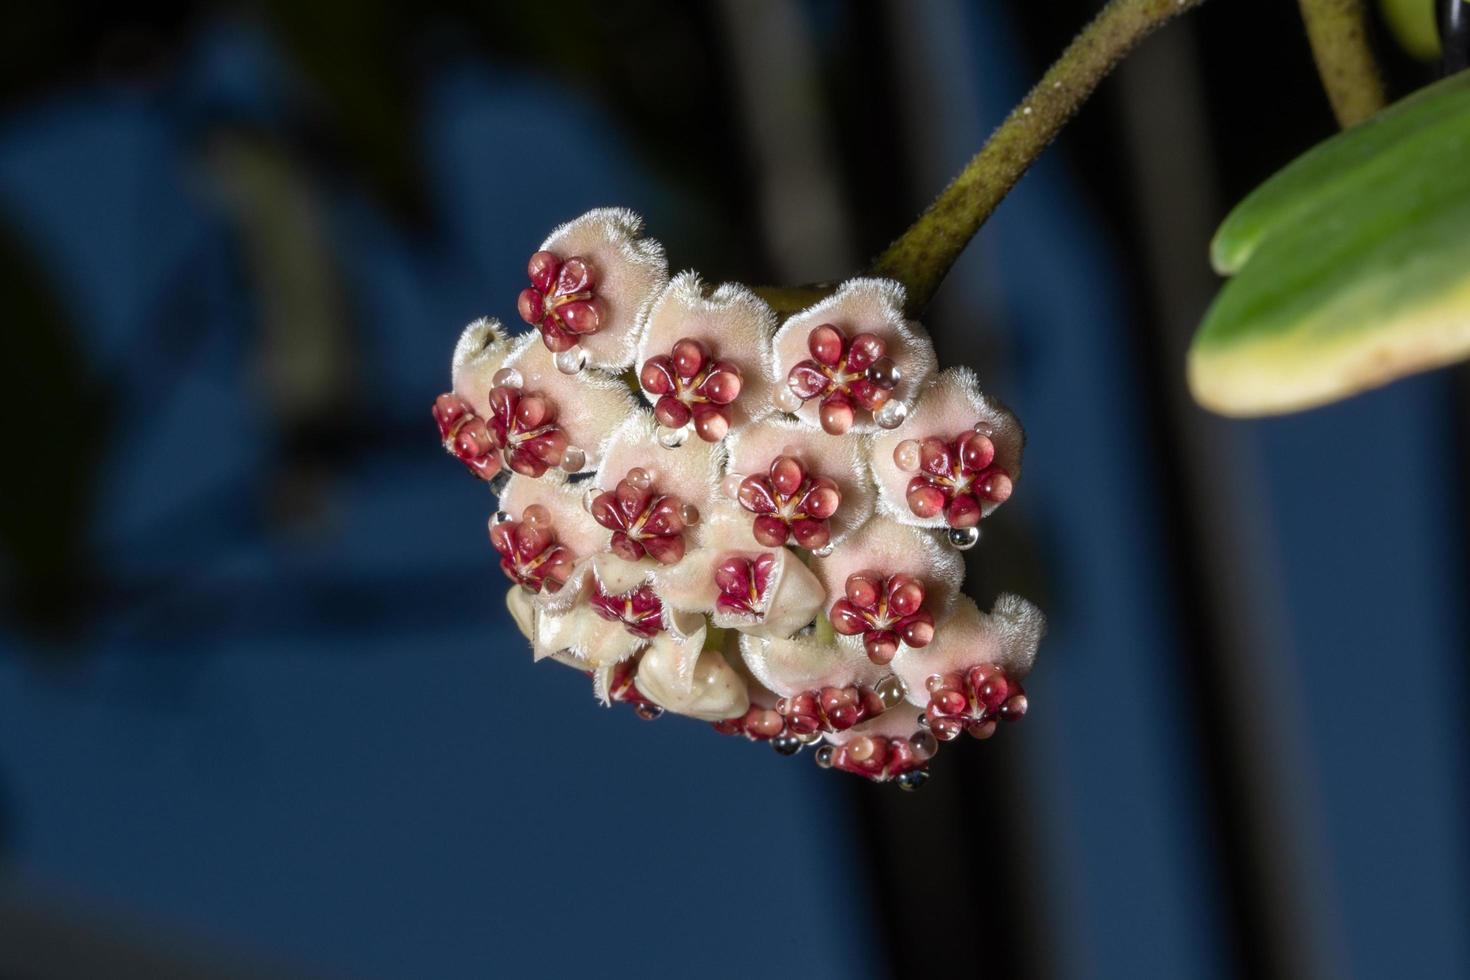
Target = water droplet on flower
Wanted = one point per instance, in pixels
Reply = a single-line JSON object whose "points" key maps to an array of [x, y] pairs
{"points": [[824, 550], [571, 360], [648, 711], [507, 378], [689, 513], [673, 438], [985, 429], [924, 743], [823, 756], [964, 538], [573, 459], [639, 479], [891, 414], [890, 690], [536, 516], [913, 779], [588, 496], [786, 399], [730, 486], [786, 744], [906, 455], [885, 374]]}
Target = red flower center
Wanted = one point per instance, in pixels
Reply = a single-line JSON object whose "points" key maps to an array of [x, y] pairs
{"points": [[973, 701], [956, 476], [642, 520], [845, 374], [529, 553], [757, 724], [466, 436], [561, 301], [831, 709], [788, 503], [524, 428], [742, 583], [691, 384], [640, 611], [621, 688], [884, 611], [877, 757]]}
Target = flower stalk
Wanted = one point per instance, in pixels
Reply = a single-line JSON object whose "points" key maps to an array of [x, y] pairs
{"points": [[1338, 32]]}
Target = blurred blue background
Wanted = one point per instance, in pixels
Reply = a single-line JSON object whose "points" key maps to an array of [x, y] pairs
{"points": [[262, 711]]}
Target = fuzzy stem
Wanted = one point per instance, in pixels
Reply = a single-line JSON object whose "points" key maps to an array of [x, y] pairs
{"points": [[1338, 32], [922, 256]]}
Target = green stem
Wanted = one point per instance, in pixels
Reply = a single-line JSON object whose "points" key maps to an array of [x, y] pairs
{"points": [[1338, 32], [922, 256]]}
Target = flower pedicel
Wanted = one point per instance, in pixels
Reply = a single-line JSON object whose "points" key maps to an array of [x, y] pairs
{"points": [[752, 523]]}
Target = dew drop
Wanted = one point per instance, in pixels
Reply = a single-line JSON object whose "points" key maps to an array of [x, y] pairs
{"points": [[673, 438], [507, 378], [730, 486], [913, 779], [906, 455], [639, 479], [823, 756], [890, 690], [825, 550], [924, 743], [588, 496], [964, 538], [571, 360], [648, 711], [536, 516], [573, 459], [786, 399], [689, 513], [786, 744], [891, 414]]}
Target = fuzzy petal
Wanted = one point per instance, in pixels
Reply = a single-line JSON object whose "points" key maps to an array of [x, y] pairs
{"points": [[630, 272], [702, 686], [480, 352], [736, 326], [804, 662], [690, 472], [951, 403], [872, 306], [885, 548], [589, 404], [792, 599], [573, 526], [588, 637], [1008, 636], [843, 459]]}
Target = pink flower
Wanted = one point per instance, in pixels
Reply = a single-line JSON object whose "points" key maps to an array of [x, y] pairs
{"points": [[953, 460], [706, 359], [853, 359], [970, 678], [591, 282], [791, 574]]}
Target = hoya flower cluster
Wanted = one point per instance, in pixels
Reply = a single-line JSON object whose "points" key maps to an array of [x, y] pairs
{"points": [[752, 523]]}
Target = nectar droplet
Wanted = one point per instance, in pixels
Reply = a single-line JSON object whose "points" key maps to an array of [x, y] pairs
{"points": [[571, 360], [507, 378], [573, 459], [673, 438], [964, 538], [823, 756], [891, 414], [890, 690], [906, 455]]}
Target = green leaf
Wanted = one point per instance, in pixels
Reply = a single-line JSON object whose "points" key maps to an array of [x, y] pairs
{"points": [[1351, 265]]}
